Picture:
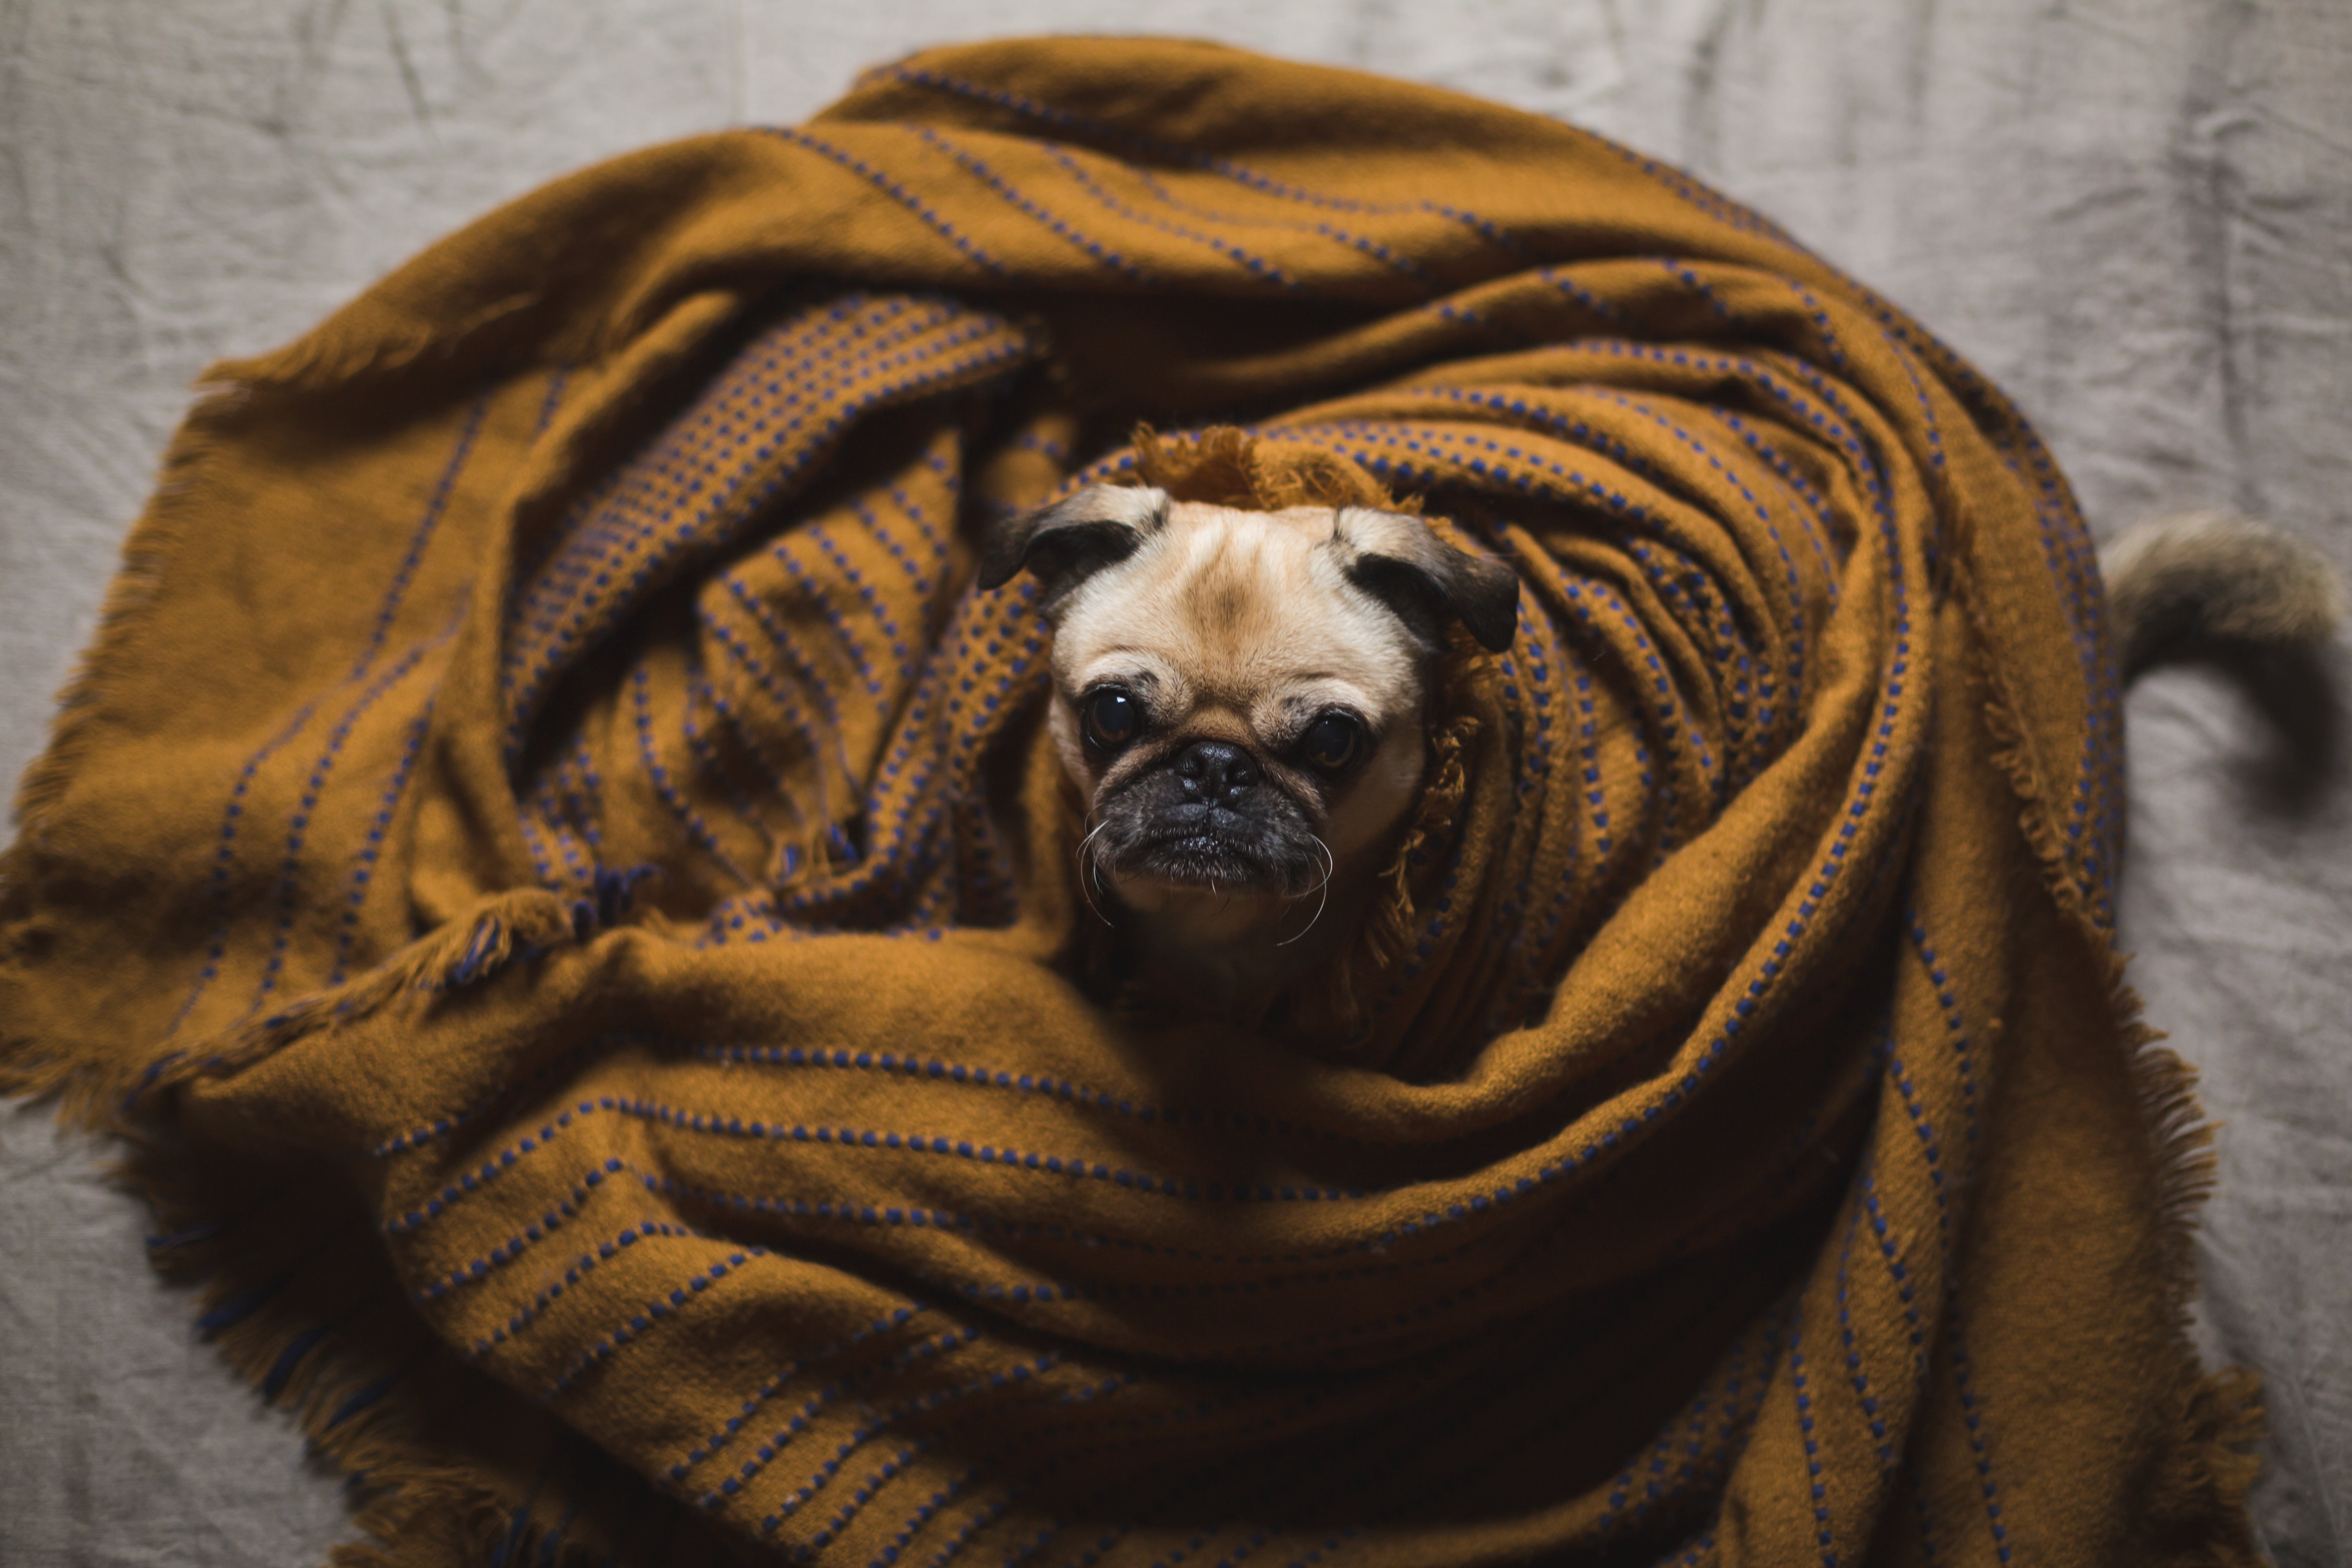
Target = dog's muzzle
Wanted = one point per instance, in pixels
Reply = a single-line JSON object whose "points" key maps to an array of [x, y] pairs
{"points": [[1209, 817]]}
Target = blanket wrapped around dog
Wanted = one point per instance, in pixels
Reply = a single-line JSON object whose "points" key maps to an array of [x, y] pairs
{"points": [[565, 879]]}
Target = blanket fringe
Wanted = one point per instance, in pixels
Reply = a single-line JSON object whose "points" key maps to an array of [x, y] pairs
{"points": [[418, 1510], [340, 351], [505, 930], [154, 540], [2221, 1424]]}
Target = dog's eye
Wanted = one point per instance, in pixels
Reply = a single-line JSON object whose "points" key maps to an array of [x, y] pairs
{"points": [[1112, 717], [1331, 742]]}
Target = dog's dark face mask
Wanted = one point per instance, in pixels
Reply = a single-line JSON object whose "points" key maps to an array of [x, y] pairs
{"points": [[1207, 814], [1239, 695]]}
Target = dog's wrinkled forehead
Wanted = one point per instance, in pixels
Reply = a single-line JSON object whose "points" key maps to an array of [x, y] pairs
{"points": [[1233, 601], [1226, 604]]}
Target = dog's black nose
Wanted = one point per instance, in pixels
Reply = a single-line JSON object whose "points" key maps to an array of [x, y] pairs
{"points": [[1216, 773]]}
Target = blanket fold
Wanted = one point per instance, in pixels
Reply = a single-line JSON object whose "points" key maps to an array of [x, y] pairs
{"points": [[565, 876]]}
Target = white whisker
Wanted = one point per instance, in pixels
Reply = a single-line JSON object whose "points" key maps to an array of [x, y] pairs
{"points": [[1330, 869], [1090, 872]]}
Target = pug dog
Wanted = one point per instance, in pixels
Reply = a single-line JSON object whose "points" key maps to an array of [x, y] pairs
{"points": [[1241, 700]]}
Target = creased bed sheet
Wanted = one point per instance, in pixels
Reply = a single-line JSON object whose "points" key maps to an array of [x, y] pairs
{"points": [[2136, 214]]}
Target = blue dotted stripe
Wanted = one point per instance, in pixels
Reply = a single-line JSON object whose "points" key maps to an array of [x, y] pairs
{"points": [[1191, 157], [824, 730], [436, 505], [1818, 515], [1441, 456], [1256, 266], [582, 794], [655, 1311], [1563, 281], [1525, 686], [1708, 203], [1955, 1026], [805, 1419], [665, 788], [1094, 249], [1972, 1419], [547, 819], [825, 345], [580, 1268], [1796, 601], [1035, 1290], [940, 1071], [1074, 1166], [1890, 1249], [387, 611], [768, 454], [1014, 1378], [1436, 465], [1817, 1480], [224, 864], [1792, 391], [812, 590], [1815, 510], [1922, 1516], [932, 216], [1723, 1402], [1681, 1466], [708, 765], [363, 863], [876, 602], [1684, 273], [286, 892], [490, 1169], [594, 569], [1388, 257], [1329, 1547], [915, 1216], [815, 591], [895, 1318], [1825, 333], [748, 740], [789, 709], [551, 1220], [1849, 1343], [2068, 554], [925, 587], [530, 817], [924, 1513], [1972, 1410]]}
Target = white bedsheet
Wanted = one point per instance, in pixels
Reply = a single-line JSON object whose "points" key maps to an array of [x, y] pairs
{"points": [[2135, 214]]}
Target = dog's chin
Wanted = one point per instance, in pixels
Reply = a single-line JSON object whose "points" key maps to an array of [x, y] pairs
{"points": [[1191, 912], [1208, 883], [1199, 858]]}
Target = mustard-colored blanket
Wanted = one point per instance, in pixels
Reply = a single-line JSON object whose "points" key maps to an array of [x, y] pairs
{"points": [[563, 873]]}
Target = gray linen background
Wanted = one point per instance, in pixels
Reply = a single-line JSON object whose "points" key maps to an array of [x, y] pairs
{"points": [[2135, 214]]}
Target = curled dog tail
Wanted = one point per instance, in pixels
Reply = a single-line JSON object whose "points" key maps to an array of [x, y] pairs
{"points": [[2208, 580]]}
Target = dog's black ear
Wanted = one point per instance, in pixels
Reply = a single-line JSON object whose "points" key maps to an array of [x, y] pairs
{"points": [[1401, 562], [1063, 544]]}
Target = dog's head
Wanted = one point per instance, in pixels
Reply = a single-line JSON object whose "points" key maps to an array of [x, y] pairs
{"points": [[1239, 695]]}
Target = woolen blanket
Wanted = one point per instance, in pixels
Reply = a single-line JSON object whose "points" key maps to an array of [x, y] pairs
{"points": [[564, 879]]}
